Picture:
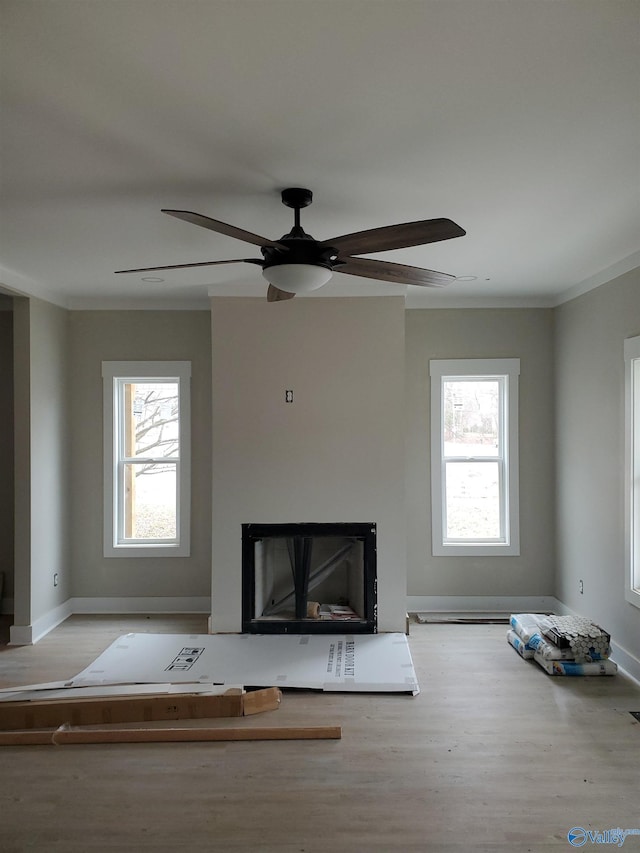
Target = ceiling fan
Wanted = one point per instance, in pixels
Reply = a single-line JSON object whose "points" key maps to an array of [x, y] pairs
{"points": [[299, 264]]}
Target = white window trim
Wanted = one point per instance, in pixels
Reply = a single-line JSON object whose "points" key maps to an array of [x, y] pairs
{"points": [[112, 371], [472, 368], [632, 470]]}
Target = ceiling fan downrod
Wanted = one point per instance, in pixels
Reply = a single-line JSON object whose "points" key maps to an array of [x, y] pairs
{"points": [[297, 198]]}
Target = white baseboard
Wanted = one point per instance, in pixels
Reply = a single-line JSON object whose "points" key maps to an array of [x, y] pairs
{"points": [[482, 604], [627, 663], [148, 604], [20, 635], [27, 635]]}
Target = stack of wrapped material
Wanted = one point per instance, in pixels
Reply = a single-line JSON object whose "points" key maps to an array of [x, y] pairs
{"points": [[562, 645]]}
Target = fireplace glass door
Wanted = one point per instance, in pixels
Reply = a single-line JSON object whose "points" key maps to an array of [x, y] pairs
{"points": [[309, 578]]}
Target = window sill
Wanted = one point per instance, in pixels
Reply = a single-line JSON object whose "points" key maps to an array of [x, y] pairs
{"points": [[475, 550], [143, 551]]}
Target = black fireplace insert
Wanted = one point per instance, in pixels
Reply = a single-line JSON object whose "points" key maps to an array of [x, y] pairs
{"points": [[310, 578]]}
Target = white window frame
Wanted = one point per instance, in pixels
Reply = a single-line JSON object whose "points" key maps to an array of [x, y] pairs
{"points": [[632, 470], [507, 370], [113, 374]]}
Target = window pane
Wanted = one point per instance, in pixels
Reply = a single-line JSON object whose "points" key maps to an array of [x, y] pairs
{"points": [[151, 419], [472, 500], [471, 410], [147, 443], [150, 501]]}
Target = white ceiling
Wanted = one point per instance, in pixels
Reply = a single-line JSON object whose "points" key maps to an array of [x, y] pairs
{"points": [[518, 119]]}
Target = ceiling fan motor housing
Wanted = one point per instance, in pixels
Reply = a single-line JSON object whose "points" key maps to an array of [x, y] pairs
{"points": [[302, 249]]}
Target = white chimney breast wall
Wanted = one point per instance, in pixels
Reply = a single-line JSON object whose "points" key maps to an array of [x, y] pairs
{"points": [[334, 454]]}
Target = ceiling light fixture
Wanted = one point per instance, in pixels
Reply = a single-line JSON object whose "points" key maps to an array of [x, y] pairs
{"points": [[466, 277], [151, 278], [297, 278]]}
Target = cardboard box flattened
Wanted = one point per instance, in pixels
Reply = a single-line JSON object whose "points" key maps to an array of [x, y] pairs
{"points": [[128, 709]]}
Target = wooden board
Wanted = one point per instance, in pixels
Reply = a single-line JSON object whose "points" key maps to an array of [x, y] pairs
{"points": [[67, 735], [40, 714]]}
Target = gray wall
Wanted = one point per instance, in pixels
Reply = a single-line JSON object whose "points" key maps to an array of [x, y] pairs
{"points": [[335, 454], [49, 457], [346, 364], [22, 460], [98, 336], [590, 453], [6, 447], [526, 334], [42, 459]]}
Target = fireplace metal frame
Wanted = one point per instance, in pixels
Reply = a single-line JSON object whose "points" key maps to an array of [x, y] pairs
{"points": [[301, 535]]}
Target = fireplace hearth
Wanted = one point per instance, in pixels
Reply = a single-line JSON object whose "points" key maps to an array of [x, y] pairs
{"points": [[310, 578]]}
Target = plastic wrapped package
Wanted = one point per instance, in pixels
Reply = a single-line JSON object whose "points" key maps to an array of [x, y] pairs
{"points": [[562, 645], [519, 645], [570, 667], [547, 651], [526, 625]]}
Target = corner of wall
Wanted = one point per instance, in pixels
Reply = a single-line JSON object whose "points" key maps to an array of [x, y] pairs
{"points": [[27, 635]]}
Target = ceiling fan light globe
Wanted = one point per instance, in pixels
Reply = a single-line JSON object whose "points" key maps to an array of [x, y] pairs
{"points": [[297, 278]]}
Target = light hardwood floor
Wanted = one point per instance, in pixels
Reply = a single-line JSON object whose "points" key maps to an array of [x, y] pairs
{"points": [[493, 755]]}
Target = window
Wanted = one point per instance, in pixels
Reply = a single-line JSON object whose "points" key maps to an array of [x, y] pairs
{"points": [[146, 458], [474, 457], [632, 469]]}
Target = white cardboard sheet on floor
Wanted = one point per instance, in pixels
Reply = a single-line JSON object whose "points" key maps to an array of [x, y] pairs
{"points": [[63, 690], [367, 663]]}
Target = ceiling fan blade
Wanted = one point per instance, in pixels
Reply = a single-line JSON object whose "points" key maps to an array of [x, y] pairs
{"points": [[396, 237], [274, 294], [223, 228], [395, 273], [201, 264]]}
